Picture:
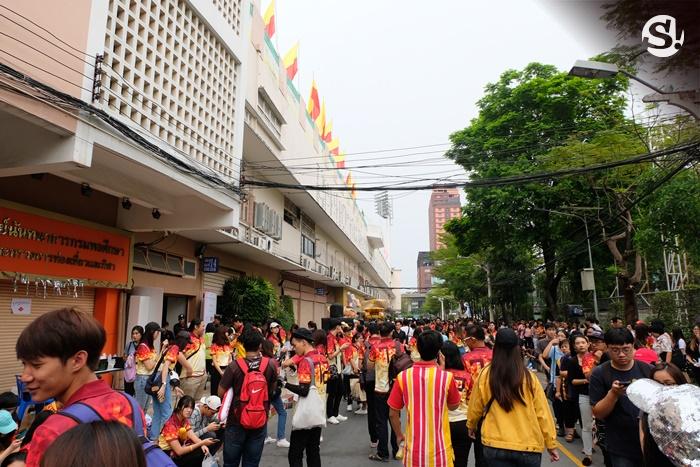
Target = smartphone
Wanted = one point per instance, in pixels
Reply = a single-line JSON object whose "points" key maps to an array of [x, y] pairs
{"points": [[625, 383]]}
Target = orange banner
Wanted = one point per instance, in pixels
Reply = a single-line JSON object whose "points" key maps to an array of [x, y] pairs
{"points": [[56, 247]]}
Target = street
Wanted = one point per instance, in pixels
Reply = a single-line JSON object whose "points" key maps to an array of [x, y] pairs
{"points": [[348, 444]]}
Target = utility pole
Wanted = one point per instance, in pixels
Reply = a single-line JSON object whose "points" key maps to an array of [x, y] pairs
{"points": [[442, 308], [489, 292]]}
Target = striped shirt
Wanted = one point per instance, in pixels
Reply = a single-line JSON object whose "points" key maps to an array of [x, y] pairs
{"points": [[426, 391]]}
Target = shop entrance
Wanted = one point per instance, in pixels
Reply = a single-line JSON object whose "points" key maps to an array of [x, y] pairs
{"points": [[173, 306]]}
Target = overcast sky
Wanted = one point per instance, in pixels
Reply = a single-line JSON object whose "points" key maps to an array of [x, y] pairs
{"points": [[408, 73]]}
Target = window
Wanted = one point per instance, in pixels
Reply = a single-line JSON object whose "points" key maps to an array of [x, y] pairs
{"points": [[308, 246], [270, 114], [291, 213]]}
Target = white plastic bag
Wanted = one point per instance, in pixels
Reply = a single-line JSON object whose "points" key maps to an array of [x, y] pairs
{"points": [[225, 405], [310, 411], [210, 461]]}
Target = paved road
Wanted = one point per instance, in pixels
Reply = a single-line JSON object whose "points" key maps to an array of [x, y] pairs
{"points": [[347, 444]]}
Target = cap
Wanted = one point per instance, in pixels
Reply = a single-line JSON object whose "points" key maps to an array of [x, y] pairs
{"points": [[303, 333], [506, 337], [274, 324], [179, 317], [345, 326], [7, 424], [213, 402], [595, 335]]}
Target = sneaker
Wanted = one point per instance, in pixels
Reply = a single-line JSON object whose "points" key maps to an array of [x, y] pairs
{"points": [[341, 418], [321, 439], [283, 443], [270, 440], [349, 407], [333, 421], [360, 412]]}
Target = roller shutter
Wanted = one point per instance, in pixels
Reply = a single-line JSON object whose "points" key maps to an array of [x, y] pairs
{"points": [[214, 281], [12, 325]]}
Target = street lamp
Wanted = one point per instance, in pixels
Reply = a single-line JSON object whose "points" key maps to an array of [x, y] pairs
{"points": [[588, 242], [687, 100]]}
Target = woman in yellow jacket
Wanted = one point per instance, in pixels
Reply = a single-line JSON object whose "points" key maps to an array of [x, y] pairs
{"points": [[517, 423]]}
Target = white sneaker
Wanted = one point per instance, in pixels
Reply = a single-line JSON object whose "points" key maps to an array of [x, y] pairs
{"points": [[349, 407], [341, 418], [283, 443], [360, 412], [333, 421], [320, 440], [270, 440]]}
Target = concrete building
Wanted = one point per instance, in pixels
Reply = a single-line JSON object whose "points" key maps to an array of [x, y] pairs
{"points": [[444, 205], [412, 304], [127, 127], [424, 265]]}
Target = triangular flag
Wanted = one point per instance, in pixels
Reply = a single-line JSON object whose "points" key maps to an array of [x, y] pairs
{"points": [[269, 19], [321, 120], [339, 160], [290, 61], [334, 146], [327, 132], [313, 107]]}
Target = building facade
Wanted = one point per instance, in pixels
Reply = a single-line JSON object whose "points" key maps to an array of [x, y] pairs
{"points": [[424, 265], [444, 205], [129, 130]]}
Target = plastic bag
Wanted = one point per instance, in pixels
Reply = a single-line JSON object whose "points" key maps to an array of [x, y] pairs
{"points": [[310, 411], [210, 461], [226, 405]]}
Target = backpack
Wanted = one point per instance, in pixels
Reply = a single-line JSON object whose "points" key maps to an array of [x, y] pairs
{"points": [[399, 362], [130, 369], [252, 413], [155, 457]]}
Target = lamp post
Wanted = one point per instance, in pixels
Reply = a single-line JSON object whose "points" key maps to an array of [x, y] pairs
{"points": [[588, 242], [687, 100]]}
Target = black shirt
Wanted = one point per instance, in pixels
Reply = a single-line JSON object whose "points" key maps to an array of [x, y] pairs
{"points": [[574, 371], [622, 424]]}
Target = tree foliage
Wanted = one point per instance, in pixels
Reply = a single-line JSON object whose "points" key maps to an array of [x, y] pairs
{"points": [[522, 117], [254, 299]]}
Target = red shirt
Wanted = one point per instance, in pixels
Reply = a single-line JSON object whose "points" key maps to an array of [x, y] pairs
{"points": [[110, 404], [476, 359], [426, 391]]}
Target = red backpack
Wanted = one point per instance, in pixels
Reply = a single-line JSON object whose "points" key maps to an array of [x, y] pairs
{"points": [[252, 414]]}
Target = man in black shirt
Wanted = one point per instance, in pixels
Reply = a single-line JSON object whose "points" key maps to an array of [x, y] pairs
{"points": [[181, 325], [607, 391]]}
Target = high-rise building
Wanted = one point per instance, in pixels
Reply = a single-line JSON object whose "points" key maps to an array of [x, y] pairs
{"points": [[444, 205], [425, 271]]}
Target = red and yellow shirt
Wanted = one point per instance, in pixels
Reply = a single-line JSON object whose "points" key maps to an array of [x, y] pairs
{"points": [[425, 391], [108, 403], [144, 353], [174, 429], [194, 351], [320, 369], [476, 359], [463, 381], [381, 354], [221, 354]]}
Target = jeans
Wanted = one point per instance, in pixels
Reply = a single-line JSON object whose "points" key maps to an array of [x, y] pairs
{"points": [[305, 440], [586, 424], [214, 381], [161, 411], [479, 460], [382, 433], [278, 404], [460, 442], [246, 445], [334, 393], [371, 414], [141, 397], [212, 435], [506, 458], [619, 461]]}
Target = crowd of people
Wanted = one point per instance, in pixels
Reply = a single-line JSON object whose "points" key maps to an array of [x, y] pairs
{"points": [[204, 392]]}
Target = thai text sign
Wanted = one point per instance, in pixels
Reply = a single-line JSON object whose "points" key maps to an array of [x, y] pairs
{"points": [[36, 244]]}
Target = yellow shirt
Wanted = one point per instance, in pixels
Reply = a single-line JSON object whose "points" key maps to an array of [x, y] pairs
{"points": [[528, 427]]}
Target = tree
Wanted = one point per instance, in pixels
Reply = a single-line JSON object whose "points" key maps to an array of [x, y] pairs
{"points": [[521, 118], [254, 299]]}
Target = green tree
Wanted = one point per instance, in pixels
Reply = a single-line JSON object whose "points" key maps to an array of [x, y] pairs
{"points": [[521, 118], [254, 299]]}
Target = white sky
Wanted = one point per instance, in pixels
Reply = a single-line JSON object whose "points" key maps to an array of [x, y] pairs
{"points": [[408, 73]]}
